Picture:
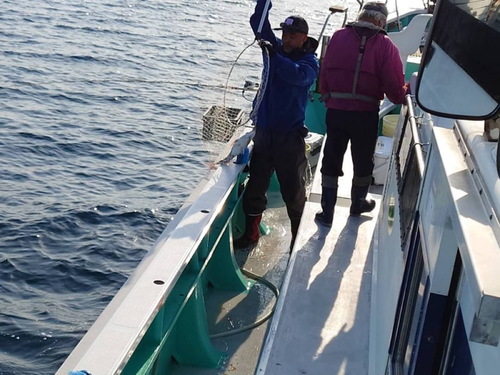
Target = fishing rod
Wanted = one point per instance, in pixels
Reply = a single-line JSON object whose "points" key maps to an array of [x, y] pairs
{"points": [[262, 19], [248, 85]]}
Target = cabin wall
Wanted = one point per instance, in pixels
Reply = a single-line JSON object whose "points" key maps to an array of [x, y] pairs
{"points": [[445, 235], [437, 227], [388, 273]]}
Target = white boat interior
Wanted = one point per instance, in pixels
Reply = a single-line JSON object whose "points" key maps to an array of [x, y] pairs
{"points": [[404, 8]]}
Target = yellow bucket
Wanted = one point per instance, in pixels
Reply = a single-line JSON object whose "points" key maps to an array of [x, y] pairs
{"points": [[389, 124]]}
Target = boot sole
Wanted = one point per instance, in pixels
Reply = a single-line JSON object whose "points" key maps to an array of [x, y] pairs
{"points": [[325, 224], [356, 214]]}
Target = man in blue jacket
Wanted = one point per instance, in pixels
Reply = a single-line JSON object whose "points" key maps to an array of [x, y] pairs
{"points": [[280, 131]]}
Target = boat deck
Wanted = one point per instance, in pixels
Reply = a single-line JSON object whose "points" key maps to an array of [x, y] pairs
{"points": [[228, 311], [321, 323]]}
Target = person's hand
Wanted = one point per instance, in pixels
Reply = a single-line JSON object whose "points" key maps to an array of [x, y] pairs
{"points": [[265, 45], [407, 88]]}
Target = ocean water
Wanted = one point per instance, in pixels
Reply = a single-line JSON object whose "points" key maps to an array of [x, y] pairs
{"points": [[100, 115]]}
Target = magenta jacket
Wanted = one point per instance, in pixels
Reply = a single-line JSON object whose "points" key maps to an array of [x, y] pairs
{"points": [[381, 70]]}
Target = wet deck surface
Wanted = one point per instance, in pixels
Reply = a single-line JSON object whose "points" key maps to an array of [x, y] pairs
{"points": [[227, 310]]}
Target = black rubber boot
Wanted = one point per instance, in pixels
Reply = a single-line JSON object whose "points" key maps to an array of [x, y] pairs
{"points": [[252, 232], [328, 201], [359, 203]]}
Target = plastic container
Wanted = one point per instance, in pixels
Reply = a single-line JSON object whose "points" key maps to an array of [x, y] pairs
{"points": [[313, 147], [389, 124], [381, 158]]}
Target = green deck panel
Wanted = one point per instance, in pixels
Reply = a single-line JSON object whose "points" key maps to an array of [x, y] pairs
{"points": [[193, 346], [203, 253], [316, 114], [411, 67], [223, 271], [179, 332], [274, 184], [159, 338], [165, 362]]}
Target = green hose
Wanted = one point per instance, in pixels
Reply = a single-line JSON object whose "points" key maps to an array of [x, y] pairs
{"points": [[257, 323]]}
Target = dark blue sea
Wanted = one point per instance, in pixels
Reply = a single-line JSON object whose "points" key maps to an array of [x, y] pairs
{"points": [[101, 105]]}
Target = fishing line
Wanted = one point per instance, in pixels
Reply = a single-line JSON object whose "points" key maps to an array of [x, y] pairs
{"points": [[262, 86], [137, 80]]}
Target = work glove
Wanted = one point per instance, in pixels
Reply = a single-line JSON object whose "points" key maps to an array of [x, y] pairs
{"points": [[265, 45]]}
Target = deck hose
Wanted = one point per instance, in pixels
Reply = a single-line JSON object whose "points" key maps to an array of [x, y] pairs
{"points": [[260, 321]]}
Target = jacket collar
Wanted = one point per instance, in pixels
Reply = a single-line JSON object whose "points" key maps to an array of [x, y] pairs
{"points": [[366, 28], [309, 46]]}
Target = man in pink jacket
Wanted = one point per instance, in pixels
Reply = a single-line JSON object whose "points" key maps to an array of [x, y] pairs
{"points": [[360, 66]]}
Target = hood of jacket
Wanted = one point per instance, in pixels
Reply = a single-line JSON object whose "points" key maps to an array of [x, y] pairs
{"points": [[362, 28], [309, 46]]}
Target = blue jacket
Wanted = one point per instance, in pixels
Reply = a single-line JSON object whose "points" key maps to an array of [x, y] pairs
{"points": [[283, 107]]}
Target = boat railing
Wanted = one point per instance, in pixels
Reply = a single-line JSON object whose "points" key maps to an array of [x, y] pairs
{"points": [[159, 313]]}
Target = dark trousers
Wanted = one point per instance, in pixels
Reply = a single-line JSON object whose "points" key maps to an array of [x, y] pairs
{"points": [[361, 128], [284, 153]]}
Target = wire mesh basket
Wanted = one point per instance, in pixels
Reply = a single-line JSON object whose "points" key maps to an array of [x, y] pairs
{"points": [[220, 123]]}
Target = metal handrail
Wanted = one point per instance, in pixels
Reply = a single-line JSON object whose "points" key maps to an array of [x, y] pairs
{"points": [[416, 137]]}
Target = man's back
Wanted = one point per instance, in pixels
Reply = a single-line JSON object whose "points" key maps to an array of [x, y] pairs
{"points": [[381, 70]]}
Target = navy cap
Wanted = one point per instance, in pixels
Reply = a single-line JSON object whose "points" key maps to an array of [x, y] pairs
{"points": [[294, 24]]}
